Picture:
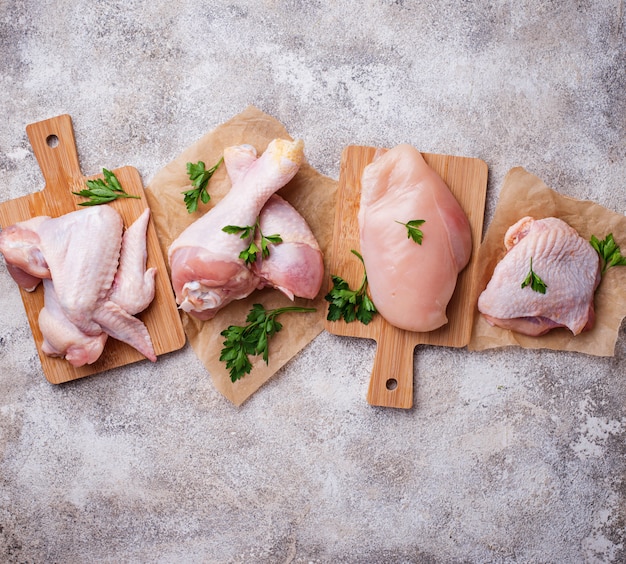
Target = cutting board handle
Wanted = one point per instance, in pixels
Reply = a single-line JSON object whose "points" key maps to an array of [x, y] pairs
{"points": [[54, 146], [391, 382]]}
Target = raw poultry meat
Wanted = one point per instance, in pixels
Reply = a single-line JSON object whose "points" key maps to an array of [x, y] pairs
{"points": [[80, 253], [19, 243], [206, 270], [410, 283], [295, 266], [565, 262], [133, 286], [61, 337]]}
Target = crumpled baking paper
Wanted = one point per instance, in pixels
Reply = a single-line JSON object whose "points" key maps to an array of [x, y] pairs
{"points": [[523, 194], [311, 193]]}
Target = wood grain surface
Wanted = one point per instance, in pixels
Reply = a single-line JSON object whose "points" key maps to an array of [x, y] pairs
{"points": [[391, 381], [54, 145]]}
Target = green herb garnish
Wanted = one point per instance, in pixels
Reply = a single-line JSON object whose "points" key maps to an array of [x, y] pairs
{"points": [[252, 339], [103, 190], [536, 283], [350, 304], [609, 252], [413, 231], [249, 254], [199, 176]]}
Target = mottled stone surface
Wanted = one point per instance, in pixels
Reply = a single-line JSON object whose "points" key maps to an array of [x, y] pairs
{"points": [[508, 456]]}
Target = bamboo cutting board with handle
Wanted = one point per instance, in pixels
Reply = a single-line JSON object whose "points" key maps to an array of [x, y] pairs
{"points": [[54, 146], [391, 381]]}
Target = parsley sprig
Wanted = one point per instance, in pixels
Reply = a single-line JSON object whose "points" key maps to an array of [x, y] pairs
{"points": [[252, 339], [249, 254], [348, 304], [199, 176], [103, 190], [413, 229], [532, 280], [609, 251]]}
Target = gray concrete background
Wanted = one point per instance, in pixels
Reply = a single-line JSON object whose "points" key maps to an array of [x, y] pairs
{"points": [[508, 455]]}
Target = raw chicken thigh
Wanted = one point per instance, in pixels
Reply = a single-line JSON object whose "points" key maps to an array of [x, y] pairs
{"points": [[565, 262], [206, 270], [295, 266], [78, 255], [410, 283]]}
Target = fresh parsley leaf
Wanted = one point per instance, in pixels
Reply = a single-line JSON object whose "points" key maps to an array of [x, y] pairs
{"points": [[246, 231], [249, 254], [413, 231], [266, 240], [199, 176], [103, 190], [348, 304], [609, 252], [532, 280], [252, 339]]}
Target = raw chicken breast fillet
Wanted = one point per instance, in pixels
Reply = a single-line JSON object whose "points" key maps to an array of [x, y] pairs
{"points": [[206, 270], [411, 284], [566, 263]]}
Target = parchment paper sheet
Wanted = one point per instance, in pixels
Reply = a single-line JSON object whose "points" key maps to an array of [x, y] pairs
{"points": [[524, 194], [311, 193]]}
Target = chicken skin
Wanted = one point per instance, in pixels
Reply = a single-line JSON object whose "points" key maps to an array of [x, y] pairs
{"points": [[82, 251], [61, 337], [133, 286], [296, 265], [78, 255], [411, 283], [206, 270], [564, 262], [19, 243]]}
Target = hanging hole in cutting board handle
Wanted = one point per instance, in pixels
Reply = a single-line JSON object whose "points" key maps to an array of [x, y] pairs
{"points": [[54, 145], [391, 382]]}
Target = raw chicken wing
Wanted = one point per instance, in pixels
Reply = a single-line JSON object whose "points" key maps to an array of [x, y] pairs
{"points": [[132, 290], [61, 337], [19, 243], [565, 262], [133, 286], [80, 252], [410, 283]]}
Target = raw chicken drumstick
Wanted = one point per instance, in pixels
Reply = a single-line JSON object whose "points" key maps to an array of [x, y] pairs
{"points": [[295, 266], [207, 272]]}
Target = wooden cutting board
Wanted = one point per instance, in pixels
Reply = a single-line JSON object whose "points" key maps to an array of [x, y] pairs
{"points": [[54, 146], [391, 381]]}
